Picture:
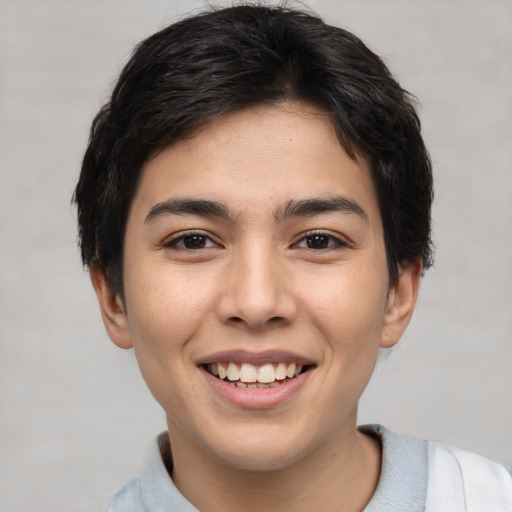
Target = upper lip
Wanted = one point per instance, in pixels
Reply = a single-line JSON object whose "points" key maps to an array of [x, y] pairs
{"points": [[255, 358]]}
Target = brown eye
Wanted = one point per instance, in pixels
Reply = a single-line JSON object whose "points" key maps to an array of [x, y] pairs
{"points": [[189, 241], [318, 242], [195, 241]]}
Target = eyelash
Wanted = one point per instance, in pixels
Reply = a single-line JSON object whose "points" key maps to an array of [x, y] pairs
{"points": [[332, 241]]}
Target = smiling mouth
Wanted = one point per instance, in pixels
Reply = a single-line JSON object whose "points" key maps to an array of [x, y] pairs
{"points": [[246, 375]]}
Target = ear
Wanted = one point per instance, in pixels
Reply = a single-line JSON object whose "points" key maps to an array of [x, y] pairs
{"points": [[401, 301], [112, 309]]}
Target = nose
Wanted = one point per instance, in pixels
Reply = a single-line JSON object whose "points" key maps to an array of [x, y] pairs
{"points": [[256, 292]]}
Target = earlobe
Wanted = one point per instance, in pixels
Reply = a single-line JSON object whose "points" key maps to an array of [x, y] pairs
{"points": [[112, 309], [401, 301]]}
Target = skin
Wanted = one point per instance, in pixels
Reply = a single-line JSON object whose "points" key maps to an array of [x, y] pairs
{"points": [[256, 281]]}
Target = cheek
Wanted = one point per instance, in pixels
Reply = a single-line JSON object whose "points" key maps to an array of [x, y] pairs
{"points": [[349, 306], [349, 314], [165, 311], [165, 307]]}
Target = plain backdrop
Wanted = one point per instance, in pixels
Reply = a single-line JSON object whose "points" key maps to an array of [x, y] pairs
{"points": [[76, 418]]}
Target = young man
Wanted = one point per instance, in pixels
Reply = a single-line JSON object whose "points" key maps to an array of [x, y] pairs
{"points": [[254, 209]]}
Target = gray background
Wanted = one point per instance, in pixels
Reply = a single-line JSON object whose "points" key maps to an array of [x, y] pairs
{"points": [[76, 418]]}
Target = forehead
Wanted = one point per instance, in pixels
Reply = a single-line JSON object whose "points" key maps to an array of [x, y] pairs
{"points": [[260, 158]]}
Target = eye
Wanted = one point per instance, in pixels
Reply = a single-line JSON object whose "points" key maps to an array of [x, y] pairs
{"points": [[191, 241], [320, 241]]}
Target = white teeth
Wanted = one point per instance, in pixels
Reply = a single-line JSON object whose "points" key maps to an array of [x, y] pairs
{"points": [[233, 372], [248, 373], [222, 371], [266, 374], [281, 371]]}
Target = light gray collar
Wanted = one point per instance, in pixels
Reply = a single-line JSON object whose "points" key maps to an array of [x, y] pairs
{"points": [[404, 473]]}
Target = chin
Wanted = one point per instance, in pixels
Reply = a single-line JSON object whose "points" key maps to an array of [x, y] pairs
{"points": [[257, 458], [262, 449]]}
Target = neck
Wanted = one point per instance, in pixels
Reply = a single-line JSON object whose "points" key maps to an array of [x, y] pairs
{"points": [[340, 476]]}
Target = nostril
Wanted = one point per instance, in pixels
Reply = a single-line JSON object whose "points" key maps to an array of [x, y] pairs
{"points": [[235, 320], [255, 323]]}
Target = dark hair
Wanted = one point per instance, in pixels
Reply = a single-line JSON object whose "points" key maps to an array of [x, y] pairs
{"points": [[196, 70]]}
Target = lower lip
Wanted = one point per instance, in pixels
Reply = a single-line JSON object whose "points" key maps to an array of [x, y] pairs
{"points": [[256, 398]]}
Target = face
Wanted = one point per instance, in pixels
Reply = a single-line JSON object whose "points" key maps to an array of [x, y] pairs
{"points": [[256, 287]]}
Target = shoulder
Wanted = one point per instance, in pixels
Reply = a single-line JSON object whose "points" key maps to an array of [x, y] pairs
{"points": [[456, 474], [128, 498], [419, 475], [153, 489]]}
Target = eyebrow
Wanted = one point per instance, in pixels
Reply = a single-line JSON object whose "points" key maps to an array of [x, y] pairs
{"points": [[292, 208], [316, 206], [202, 207]]}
